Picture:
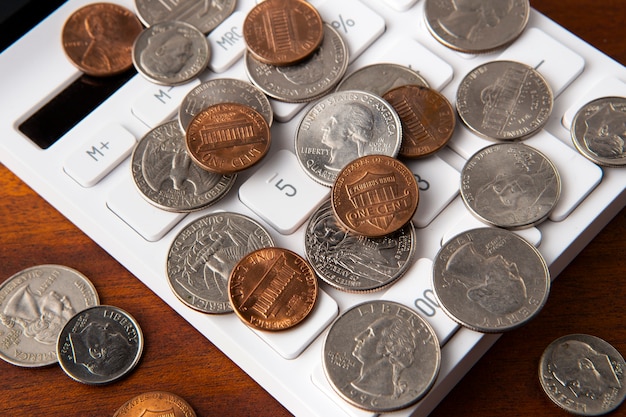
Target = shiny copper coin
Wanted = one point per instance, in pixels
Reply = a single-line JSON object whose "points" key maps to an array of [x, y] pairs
{"points": [[272, 289], [156, 403], [428, 119], [98, 38], [283, 32], [227, 138], [375, 195]]}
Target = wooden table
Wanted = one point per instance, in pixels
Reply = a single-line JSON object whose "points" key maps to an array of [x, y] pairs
{"points": [[587, 297]]}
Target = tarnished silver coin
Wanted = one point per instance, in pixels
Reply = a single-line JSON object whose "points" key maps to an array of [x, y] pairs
{"points": [[171, 53], [490, 280], [599, 131], [35, 304], [504, 100], [583, 374], [344, 126], [510, 185], [352, 262], [380, 78], [306, 80], [203, 254], [100, 345], [205, 15], [476, 26], [166, 176], [223, 90], [381, 356]]}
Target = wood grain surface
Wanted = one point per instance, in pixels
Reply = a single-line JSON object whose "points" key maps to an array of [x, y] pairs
{"points": [[588, 297]]}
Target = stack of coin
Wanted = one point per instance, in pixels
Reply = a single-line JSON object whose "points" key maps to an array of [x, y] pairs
{"points": [[204, 15]]}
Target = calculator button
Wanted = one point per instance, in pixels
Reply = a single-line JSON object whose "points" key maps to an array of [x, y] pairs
{"points": [[158, 103], [400, 5], [607, 87], [283, 111], [227, 43]]}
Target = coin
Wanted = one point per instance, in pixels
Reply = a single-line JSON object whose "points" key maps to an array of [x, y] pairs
{"points": [[205, 15], [583, 374], [356, 263], [427, 118], [381, 356], [490, 280], [504, 100], [476, 26], [375, 195], [98, 38], [510, 185], [100, 345], [282, 32], [171, 53], [304, 81], [204, 253], [166, 176], [344, 126], [156, 403], [381, 77], [35, 304], [223, 90], [599, 131], [272, 289], [227, 138]]}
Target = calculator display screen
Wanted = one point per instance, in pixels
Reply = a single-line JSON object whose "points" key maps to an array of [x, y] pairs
{"points": [[19, 16]]}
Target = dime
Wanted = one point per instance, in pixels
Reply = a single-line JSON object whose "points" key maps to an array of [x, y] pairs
{"points": [[427, 117], [272, 289], [307, 80], [227, 138], [204, 253], [375, 195], [490, 280], [156, 403], [171, 53], [356, 263], [100, 345], [344, 126], [98, 38], [510, 185], [599, 131], [35, 304], [381, 356], [583, 374], [283, 32], [205, 15], [223, 90], [381, 77], [166, 176], [476, 26], [504, 100]]}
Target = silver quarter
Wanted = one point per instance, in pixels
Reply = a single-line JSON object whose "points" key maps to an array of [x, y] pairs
{"points": [[380, 78], [381, 356], [352, 262], [205, 15], [100, 345], [344, 126], [166, 176], [583, 374], [490, 280], [203, 254], [599, 131], [510, 185], [476, 26], [504, 100], [307, 80], [171, 53], [35, 304], [223, 90]]}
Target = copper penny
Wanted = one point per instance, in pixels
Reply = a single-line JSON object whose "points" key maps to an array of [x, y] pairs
{"points": [[428, 119], [375, 195], [156, 403], [227, 138], [98, 38], [283, 32], [272, 289]]}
